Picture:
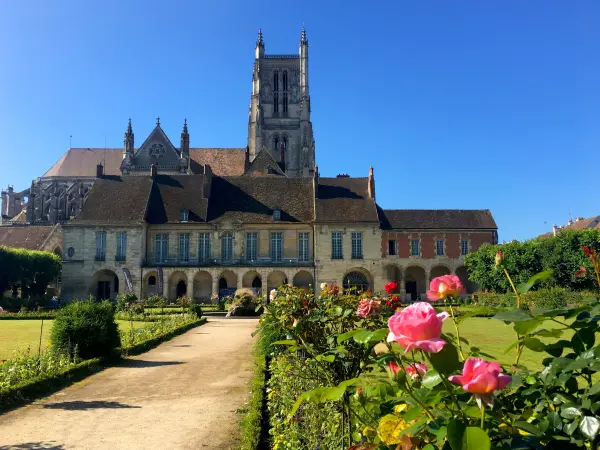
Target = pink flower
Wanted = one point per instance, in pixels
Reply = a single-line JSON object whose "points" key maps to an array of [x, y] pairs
{"points": [[368, 307], [481, 378], [395, 368], [415, 370], [444, 287], [499, 258], [417, 326], [391, 287]]}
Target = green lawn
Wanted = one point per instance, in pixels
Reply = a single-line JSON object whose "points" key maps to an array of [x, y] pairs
{"points": [[23, 334]]}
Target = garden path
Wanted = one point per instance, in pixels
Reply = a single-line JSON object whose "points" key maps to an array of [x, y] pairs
{"points": [[181, 395]]}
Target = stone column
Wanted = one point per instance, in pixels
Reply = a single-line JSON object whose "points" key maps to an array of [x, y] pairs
{"points": [[190, 285], [215, 285]]}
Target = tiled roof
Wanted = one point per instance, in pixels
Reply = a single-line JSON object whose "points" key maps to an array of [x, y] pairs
{"points": [[264, 164], [173, 193], [437, 219], [29, 237], [253, 199], [82, 162], [345, 199], [591, 223], [116, 200]]}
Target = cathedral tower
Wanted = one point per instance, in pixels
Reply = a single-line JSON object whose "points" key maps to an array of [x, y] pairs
{"points": [[279, 116]]}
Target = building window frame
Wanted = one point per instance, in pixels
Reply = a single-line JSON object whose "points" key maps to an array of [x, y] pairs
{"points": [[337, 245], [184, 215], [161, 247], [203, 247], [303, 246], [251, 245], [227, 246], [439, 247], [184, 247], [121, 254], [392, 247], [415, 247], [276, 246], [357, 245], [464, 247], [100, 246]]}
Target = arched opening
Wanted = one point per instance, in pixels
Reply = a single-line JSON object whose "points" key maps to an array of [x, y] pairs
{"points": [[439, 271], [276, 279], [463, 275], [177, 282], [257, 282], [227, 283], [105, 285], [414, 282], [150, 285], [252, 280], [393, 273], [202, 286], [303, 279], [357, 279]]}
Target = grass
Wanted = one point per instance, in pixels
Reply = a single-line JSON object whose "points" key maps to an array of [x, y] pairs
{"points": [[23, 334]]}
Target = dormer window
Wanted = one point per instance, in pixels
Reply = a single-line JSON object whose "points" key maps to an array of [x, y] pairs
{"points": [[277, 214], [184, 215]]}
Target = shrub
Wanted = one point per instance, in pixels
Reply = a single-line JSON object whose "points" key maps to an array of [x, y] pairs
{"points": [[196, 309], [184, 301], [245, 293], [29, 270], [549, 298], [90, 327]]}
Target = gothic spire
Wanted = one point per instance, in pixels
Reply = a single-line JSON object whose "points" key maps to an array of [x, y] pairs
{"points": [[185, 140], [128, 140], [303, 39], [185, 133], [129, 130], [259, 40]]}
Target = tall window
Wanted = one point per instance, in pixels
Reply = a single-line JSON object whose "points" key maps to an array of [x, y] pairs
{"points": [[285, 80], [303, 246], [252, 246], [285, 93], [392, 247], [121, 246], [203, 247], [184, 215], [357, 246], [276, 144], [276, 246], [227, 247], [100, 245], [439, 247], [464, 247], [161, 247], [275, 92], [285, 103], [414, 247], [184, 247], [336, 245]]}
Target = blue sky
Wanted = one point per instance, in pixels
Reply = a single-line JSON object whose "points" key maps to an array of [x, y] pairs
{"points": [[460, 104]]}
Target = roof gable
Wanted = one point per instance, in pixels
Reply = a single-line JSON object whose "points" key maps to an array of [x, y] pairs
{"points": [[263, 165], [157, 149]]}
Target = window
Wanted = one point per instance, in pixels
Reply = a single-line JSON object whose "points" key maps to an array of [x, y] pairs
{"points": [[414, 247], [303, 246], [357, 252], [336, 245], [464, 247], [275, 92], [276, 103], [227, 247], [161, 247], [252, 246], [275, 81], [285, 103], [392, 247], [184, 215], [439, 247], [276, 144], [276, 246], [204, 247], [100, 245], [276, 214], [285, 80], [184, 247], [121, 246]]}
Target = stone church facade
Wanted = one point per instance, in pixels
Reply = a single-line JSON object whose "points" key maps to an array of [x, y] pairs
{"points": [[203, 221]]}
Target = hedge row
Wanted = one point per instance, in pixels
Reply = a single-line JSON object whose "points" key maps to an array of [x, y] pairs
{"points": [[28, 270], [146, 345], [549, 298], [254, 424]]}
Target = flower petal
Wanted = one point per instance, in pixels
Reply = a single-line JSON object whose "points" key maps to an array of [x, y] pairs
{"points": [[433, 295], [431, 345]]}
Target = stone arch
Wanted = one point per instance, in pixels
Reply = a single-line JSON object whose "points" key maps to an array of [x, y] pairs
{"points": [[414, 282], [276, 279], [438, 271], [177, 285], [227, 283], [105, 285], [393, 273], [303, 279], [463, 275], [150, 284], [253, 280], [202, 289], [358, 278]]}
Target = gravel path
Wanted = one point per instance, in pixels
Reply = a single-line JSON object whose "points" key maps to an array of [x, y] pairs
{"points": [[181, 395]]}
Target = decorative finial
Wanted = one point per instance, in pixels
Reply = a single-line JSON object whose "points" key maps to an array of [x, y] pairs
{"points": [[259, 40], [129, 130], [158, 120], [303, 36], [185, 130]]}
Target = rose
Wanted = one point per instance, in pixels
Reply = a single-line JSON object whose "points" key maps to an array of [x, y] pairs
{"points": [[391, 287], [394, 302], [413, 370], [481, 378], [273, 293], [444, 287], [499, 258], [367, 307], [323, 286], [417, 326]]}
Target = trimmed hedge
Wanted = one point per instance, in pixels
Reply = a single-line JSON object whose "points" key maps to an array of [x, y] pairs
{"points": [[29, 316], [549, 298], [148, 344], [29, 270], [254, 424]]}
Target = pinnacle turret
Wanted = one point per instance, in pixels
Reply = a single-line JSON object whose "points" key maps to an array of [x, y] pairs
{"points": [[259, 40], [303, 39]]}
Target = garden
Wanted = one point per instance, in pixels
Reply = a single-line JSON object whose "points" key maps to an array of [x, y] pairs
{"points": [[515, 367]]}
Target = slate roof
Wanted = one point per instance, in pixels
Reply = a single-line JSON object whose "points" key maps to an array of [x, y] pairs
{"points": [[173, 193], [437, 219], [82, 162], [253, 199], [29, 237], [264, 165], [345, 200]]}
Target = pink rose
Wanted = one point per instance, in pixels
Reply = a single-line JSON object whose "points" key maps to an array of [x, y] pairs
{"points": [[368, 307], [481, 378], [415, 370], [417, 326], [444, 287]]}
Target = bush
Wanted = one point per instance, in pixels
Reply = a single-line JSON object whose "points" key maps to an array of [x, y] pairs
{"points": [[88, 327], [29, 270], [196, 309], [549, 298]]}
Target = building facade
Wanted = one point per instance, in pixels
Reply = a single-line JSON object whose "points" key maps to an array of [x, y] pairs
{"points": [[167, 220]]}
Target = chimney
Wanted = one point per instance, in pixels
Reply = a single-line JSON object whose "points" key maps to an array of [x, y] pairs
{"points": [[371, 186], [577, 219], [153, 170], [554, 229], [570, 221], [99, 171]]}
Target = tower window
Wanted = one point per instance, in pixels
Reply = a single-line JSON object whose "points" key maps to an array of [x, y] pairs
{"points": [[284, 143], [275, 81], [276, 143], [285, 80], [285, 103], [276, 103]]}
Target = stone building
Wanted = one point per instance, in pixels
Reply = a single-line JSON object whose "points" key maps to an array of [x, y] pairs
{"points": [[203, 221]]}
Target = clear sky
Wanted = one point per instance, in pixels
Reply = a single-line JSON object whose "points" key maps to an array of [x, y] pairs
{"points": [[456, 104]]}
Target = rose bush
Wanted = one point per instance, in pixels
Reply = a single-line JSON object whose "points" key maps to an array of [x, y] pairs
{"points": [[378, 378]]}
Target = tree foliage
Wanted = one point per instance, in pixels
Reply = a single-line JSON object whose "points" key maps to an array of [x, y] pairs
{"points": [[29, 270]]}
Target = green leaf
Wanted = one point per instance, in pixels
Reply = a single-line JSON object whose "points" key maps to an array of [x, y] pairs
{"points": [[345, 336], [431, 379], [476, 439], [554, 421], [510, 347], [537, 278], [570, 412], [366, 337], [571, 427], [412, 414], [362, 336], [429, 447], [554, 333], [285, 342], [446, 360], [328, 358], [526, 327], [332, 394], [577, 365], [594, 389], [441, 433], [534, 344], [456, 430], [526, 426], [514, 315], [589, 427]]}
